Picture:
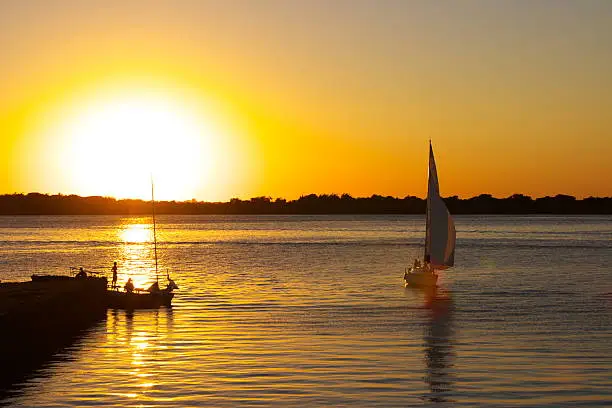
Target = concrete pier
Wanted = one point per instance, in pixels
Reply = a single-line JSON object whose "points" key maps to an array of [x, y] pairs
{"points": [[38, 319]]}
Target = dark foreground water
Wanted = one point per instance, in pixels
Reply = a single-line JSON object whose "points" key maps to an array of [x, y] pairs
{"points": [[298, 310]]}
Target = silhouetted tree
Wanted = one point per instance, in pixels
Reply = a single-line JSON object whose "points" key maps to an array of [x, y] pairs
{"points": [[36, 203]]}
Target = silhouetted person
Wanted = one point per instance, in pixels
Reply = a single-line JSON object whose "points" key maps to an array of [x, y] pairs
{"points": [[171, 285], [129, 286], [427, 264], [114, 269], [81, 274]]}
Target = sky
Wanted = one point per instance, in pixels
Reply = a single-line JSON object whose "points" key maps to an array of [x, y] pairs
{"points": [[222, 99]]}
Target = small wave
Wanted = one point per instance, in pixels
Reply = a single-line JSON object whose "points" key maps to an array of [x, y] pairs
{"points": [[533, 244], [526, 292]]}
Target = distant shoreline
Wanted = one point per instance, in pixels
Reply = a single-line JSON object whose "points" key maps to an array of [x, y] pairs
{"points": [[45, 204]]}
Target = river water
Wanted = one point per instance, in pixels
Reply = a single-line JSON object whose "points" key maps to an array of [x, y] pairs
{"points": [[312, 310]]}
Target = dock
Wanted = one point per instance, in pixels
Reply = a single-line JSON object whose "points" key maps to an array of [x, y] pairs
{"points": [[38, 319]]}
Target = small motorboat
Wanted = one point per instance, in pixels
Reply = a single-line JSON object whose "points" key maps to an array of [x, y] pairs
{"points": [[139, 299]]}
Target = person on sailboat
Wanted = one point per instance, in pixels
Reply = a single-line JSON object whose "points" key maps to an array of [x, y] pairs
{"points": [[129, 286], [427, 264], [114, 269]]}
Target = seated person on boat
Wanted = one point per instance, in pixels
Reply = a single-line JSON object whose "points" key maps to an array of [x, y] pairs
{"points": [[129, 286], [81, 274]]}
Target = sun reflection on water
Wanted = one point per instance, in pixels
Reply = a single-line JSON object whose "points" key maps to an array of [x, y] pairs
{"points": [[135, 338], [137, 233], [137, 254]]}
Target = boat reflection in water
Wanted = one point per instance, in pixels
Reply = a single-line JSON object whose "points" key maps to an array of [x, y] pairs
{"points": [[137, 351], [156, 324], [438, 344]]}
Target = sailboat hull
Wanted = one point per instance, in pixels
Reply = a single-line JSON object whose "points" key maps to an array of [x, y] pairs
{"points": [[420, 278]]}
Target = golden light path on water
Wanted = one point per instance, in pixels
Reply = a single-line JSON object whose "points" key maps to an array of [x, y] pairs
{"points": [[137, 257]]}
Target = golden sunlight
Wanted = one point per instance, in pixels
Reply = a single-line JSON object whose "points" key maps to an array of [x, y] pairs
{"points": [[112, 142], [137, 260], [120, 141], [137, 233]]}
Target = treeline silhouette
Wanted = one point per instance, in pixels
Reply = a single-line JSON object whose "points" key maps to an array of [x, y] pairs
{"points": [[44, 204]]}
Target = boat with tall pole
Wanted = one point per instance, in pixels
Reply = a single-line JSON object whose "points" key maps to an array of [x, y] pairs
{"points": [[154, 296], [440, 236]]}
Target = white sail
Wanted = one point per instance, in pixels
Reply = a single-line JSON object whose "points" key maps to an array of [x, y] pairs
{"points": [[440, 228]]}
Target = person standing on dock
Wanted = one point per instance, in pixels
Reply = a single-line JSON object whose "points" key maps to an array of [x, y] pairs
{"points": [[114, 269]]}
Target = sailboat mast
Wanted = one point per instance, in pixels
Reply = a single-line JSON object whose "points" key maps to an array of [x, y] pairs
{"points": [[154, 230]]}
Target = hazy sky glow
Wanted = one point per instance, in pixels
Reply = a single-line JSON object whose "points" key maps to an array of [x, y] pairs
{"points": [[302, 97]]}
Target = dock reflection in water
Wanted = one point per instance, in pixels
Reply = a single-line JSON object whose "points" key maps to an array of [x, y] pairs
{"points": [[31, 381]]}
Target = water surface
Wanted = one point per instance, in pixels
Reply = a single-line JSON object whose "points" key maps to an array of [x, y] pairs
{"points": [[311, 310]]}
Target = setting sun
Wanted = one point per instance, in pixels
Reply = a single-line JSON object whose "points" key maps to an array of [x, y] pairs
{"points": [[113, 143], [107, 137]]}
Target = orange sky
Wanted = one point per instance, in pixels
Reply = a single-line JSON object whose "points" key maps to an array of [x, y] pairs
{"points": [[283, 98]]}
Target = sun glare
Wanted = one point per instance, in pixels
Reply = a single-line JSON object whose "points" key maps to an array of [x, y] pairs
{"points": [[137, 261], [114, 143], [137, 233]]}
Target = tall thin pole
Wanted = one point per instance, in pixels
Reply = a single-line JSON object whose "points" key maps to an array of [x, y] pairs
{"points": [[154, 230]]}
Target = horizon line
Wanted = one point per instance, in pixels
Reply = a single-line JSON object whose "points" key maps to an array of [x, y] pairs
{"points": [[272, 199]]}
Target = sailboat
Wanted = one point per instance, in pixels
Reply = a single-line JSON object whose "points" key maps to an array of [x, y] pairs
{"points": [[151, 298], [440, 236]]}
